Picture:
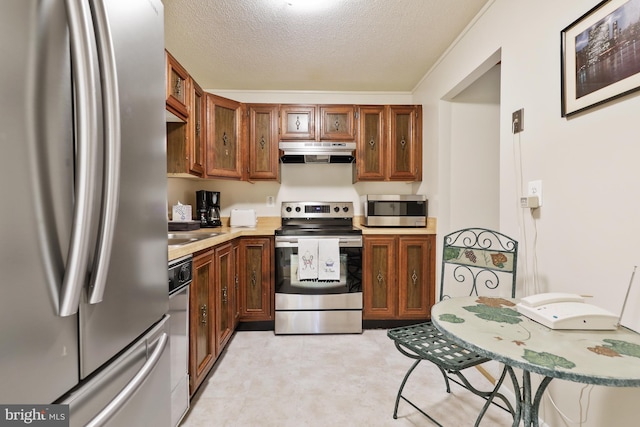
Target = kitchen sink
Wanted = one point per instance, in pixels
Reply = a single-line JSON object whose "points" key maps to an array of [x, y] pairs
{"points": [[182, 238]]}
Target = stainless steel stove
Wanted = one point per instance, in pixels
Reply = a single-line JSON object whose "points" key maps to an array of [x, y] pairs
{"points": [[318, 269]]}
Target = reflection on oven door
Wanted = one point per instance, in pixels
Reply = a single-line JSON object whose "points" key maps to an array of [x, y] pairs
{"points": [[315, 283]]}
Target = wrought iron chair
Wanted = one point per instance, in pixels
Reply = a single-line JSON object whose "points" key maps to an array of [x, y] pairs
{"points": [[475, 261]]}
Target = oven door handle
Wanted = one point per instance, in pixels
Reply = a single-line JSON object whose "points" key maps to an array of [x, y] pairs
{"points": [[292, 242]]}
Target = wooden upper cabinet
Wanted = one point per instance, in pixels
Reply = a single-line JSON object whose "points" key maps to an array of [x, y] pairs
{"points": [[337, 123], [223, 147], [177, 87], [405, 145], [389, 143], [371, 143], [185, 141], [197, 123], [297, 122], [263, 142]]}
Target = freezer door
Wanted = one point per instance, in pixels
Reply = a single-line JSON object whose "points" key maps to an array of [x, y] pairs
{"points": [[38, 349], [136, 292], [130, 391]]}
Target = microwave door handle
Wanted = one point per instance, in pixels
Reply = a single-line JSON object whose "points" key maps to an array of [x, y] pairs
{"points": [[112, 144], [79, 20]]}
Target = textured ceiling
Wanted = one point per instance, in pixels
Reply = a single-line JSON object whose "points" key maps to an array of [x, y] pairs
{"points": [[338, 45]]}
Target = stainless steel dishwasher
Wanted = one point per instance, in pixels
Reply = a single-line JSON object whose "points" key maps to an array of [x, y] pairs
{"points": [[179, 281]]}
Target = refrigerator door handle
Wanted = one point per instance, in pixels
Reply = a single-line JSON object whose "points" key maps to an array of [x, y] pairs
{"points": [[84, 84], [111, 119], [125, 394]]}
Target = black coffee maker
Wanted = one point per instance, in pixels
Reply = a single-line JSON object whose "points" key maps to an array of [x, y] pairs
{"points": [[208, 205]]}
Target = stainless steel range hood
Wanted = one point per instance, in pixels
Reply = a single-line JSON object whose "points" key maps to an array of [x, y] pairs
{"points": [[317, 152]]}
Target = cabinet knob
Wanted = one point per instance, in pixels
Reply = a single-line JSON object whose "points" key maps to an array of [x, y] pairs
{"points": [[414, 277], [254, 279], [298, 123], [403, 142], [224, 295], [337, 125], [224, 138], [262, 142], [380, 277], [372, 143]]}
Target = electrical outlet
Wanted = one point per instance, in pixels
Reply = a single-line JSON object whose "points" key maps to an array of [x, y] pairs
{"points": [[517, 120], [270, 201], [535, 190]]}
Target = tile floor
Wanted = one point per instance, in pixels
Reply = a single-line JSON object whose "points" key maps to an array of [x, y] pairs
{"points": [[267, 380]]}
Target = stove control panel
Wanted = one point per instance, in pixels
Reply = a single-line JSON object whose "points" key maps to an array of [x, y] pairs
{"points": [[317, 210]]}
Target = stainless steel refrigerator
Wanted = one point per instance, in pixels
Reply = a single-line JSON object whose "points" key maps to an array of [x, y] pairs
{"points": [[83, 253]]}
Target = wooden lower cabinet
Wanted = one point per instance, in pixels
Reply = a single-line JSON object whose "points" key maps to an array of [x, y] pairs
{"points": [[224, 287], [398, 277], [202, 344], [256, 279], [236, 284], [212, 308]]}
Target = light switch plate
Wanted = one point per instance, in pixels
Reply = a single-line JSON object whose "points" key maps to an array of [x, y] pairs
{"points": [[517, 120]]}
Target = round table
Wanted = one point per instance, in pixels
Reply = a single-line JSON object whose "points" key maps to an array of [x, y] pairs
{"points": [[493, 328]]}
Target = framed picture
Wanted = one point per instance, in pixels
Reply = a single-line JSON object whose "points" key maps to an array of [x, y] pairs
{"points": [[600, 55]]}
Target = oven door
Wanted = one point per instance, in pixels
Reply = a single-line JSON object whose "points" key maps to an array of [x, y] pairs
{"points": [[287, 262], [315, 306]]}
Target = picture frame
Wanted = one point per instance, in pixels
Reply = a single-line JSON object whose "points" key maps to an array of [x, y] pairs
{"points": [[600, 61]]}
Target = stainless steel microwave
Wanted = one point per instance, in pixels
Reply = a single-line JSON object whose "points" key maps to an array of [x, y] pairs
{"points": [[404, 210]]}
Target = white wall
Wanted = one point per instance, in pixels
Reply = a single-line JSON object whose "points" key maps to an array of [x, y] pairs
{"points": [[588, 227], [474, 167]]}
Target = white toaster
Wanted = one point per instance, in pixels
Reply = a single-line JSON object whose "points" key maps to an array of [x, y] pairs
{"points": [[243, 218]]}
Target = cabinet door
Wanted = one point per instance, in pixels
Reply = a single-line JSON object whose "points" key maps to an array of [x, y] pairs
{"points": [[236, 284], [415, 276], [197, 120], [263, 142], [185, 141], [225, 275], [297, 122], [177, 87], [256, 284], [379, 278], [223, 138], [202, 349], [337, 122], [404, 146], [371, 144], [178, 155]]}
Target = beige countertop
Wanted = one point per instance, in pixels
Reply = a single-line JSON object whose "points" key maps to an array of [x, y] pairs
{"points": [[266, 227]]}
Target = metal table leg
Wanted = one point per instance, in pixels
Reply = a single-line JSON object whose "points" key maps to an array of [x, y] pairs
{"points": [[527, 409]]}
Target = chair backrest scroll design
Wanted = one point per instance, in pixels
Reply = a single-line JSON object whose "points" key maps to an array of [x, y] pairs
{"points": [[478, 261]]}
